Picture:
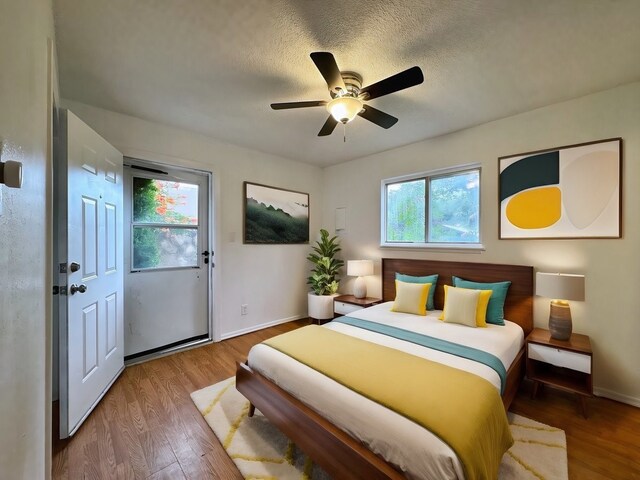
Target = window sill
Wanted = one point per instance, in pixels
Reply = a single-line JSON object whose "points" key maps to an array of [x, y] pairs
{"points": [[438, 247]]}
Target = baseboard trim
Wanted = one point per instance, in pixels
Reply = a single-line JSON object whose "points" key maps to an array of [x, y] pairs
{"points": [[619, 397], [243, 331]]}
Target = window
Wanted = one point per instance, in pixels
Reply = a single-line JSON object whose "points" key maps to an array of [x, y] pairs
{"points": [[165, 224], [436, 209]]}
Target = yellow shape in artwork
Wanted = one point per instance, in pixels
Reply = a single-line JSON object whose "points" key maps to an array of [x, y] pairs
{"points": [[537, 208]]}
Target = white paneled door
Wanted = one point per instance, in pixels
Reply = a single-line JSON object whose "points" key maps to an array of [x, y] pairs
{"points": [[90, 240]]}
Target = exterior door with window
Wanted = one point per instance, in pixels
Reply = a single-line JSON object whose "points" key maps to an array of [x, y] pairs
{"points": [[167, 258]]}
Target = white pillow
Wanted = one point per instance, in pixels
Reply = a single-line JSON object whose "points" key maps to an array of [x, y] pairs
{"points": [[461, 306]]}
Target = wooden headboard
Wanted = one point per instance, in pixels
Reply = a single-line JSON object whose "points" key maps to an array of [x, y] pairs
{"points": [[518, 307]]}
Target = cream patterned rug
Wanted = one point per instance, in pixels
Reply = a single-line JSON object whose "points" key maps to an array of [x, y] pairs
{"points": [[260, 451]]}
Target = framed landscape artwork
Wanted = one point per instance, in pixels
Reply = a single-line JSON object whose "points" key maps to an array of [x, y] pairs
{"points": [[275, 215], [566, 192]]}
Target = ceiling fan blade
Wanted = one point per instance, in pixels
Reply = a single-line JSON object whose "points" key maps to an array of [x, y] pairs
{"points": [[283, 106], [409, 78], [328, 127], [378, 117], [329, 70]]}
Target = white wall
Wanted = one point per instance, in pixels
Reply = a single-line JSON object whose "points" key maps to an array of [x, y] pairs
{"points": [[612, 267], [269, 278], [25, 27]]}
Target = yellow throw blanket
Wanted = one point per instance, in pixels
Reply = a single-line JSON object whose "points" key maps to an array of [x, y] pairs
{"points": [[463, 410]]}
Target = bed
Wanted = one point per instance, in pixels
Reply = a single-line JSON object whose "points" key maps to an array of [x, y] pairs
{"points": [[339, 453]]}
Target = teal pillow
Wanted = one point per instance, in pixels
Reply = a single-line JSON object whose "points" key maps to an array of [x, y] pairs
{"points": [[432, 279], [495, 309]]}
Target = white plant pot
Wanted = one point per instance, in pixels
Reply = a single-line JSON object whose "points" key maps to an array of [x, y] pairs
{"points": [[321, 306]]}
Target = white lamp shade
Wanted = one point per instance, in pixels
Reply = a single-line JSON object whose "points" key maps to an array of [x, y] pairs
{"points": [[359, 268], [560, 286], [344, 109]]}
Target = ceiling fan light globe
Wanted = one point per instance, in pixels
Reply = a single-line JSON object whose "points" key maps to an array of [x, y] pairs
{"points": [[344, 109]]}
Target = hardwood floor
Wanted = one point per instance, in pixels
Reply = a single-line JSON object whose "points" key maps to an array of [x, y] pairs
{"points": [[147, 427], [606, 445]]}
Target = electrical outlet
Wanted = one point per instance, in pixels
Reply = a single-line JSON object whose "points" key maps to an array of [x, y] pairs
{"points": [[243, 309]]}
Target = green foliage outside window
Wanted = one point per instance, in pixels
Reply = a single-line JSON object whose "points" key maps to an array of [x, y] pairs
{"points": [[439, 209], [146, 252], [454, 208], [405, 211], [165, 204]]}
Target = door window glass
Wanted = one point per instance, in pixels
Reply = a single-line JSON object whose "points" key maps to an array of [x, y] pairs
{"points": [[162, 201], [165, 224]]}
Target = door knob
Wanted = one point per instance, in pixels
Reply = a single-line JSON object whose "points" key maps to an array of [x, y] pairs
{"points": [[77, 288]]}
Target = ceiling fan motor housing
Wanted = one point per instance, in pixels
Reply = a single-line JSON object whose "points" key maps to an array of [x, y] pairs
{"points": [[353, 82]]}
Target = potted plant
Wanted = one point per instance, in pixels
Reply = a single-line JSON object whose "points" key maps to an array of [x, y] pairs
{"points": [[323, 281]]}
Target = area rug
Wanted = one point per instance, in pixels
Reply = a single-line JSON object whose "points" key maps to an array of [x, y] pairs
{"points": [[260, 451]]}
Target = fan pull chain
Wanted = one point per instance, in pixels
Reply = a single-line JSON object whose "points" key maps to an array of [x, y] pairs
{"points": [[344, 132]]}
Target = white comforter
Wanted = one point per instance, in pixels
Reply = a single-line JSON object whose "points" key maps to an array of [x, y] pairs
{"points": [[408, 446]]}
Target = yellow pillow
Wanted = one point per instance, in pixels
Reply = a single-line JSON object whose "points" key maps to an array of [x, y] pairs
{"points": [[411, 298], [481, 308]]}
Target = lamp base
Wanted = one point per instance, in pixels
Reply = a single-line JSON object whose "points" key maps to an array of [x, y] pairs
{"points": [[560, 324], [360, 288]]}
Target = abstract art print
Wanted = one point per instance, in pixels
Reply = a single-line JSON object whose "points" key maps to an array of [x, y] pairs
{"points": [[275, 215], [566, 192]]}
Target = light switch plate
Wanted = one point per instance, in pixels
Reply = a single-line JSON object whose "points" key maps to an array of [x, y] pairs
{"points": [[341, 218]]}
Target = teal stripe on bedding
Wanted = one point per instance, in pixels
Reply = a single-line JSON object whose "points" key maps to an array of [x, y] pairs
{"points": [[434, 343]]}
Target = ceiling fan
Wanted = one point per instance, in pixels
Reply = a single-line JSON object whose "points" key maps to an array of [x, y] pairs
{"points": [[348, 96]]}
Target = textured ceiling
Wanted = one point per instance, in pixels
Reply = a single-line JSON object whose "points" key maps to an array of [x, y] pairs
{"points": [[214, 66]]}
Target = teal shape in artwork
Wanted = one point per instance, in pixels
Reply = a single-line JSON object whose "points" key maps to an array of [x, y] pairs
{"points": [[529, 172]]}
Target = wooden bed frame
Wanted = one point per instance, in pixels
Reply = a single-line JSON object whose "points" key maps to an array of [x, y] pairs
{"points": [[335, 451]]}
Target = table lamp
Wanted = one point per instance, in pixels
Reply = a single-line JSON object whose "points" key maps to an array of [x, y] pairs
{"points": [[560, 287], [359, 268]]}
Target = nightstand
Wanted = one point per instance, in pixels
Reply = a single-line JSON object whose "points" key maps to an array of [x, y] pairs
{"points": [[345, 304], [563, 364]]}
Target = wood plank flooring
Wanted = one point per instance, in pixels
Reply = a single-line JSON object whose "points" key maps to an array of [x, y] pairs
{"points": [[147, 427], [606, 445]]}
